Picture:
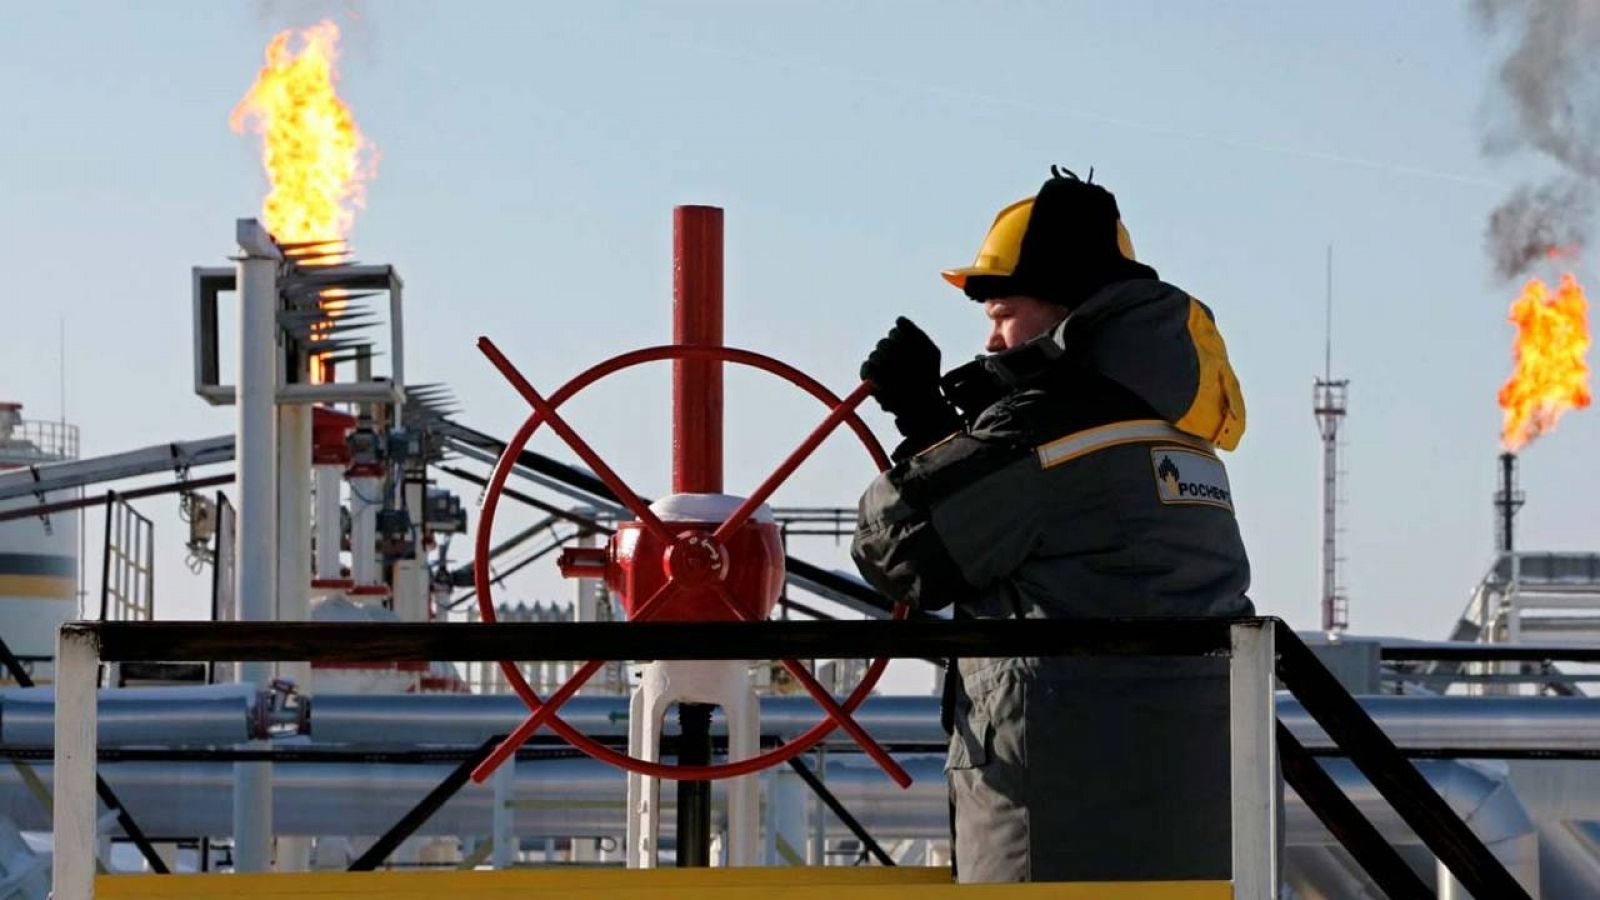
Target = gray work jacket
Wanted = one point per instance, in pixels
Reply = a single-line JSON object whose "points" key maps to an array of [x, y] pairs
{"points": [[1071, 769]]}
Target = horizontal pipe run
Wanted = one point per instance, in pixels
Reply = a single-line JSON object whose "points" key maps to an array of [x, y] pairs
{"points": [[1461, 727], [217, 714], [100, 499], [465, 719], [1555, 725], [559, 796], [552, 798], [80, 473], [1467, 652]]}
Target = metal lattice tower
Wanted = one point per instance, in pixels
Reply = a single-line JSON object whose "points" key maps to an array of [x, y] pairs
{"points": [[1329, 404]]}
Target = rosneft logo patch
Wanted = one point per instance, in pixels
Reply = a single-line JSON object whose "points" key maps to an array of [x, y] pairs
{"points": [[1186, 476]]}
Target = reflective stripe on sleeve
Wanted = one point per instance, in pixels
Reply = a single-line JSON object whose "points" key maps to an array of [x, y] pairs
{"points": [[1065, 449]]}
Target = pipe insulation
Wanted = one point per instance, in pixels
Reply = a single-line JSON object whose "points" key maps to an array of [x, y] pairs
{"points": [[582, 797], [216, 715], [137, 717], [1465, 723], [551, 798]]}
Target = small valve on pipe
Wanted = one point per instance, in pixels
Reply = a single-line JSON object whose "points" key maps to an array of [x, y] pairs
{"points": [[583, 562]]}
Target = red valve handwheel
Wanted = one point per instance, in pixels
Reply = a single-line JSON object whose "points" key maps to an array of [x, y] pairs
{"points": [[544, 711]]}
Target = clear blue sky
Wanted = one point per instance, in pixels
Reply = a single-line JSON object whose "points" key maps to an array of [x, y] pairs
{"points": [[531, 154]]}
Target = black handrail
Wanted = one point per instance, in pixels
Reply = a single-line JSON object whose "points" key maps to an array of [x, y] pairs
{"points": [[425, 808], [1345, 822], [361, 642], [1349, 726], [1465, 652], [868, 842], [1340, 716]]}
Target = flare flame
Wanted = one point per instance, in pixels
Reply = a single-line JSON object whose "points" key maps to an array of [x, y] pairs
{"points": [[316, 158], [1551, 374]]}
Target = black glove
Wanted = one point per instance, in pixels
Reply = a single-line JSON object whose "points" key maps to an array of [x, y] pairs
{"points": [[904, 371]]}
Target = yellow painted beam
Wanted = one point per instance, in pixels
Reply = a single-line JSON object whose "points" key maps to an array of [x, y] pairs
{"points": [[780, 883], [36, 587]]}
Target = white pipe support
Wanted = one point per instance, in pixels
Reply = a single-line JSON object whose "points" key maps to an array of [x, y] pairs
{"points": [[75, 805], [329, 528], [416, 497], [646, 709], [255, 447], [294, 513], [294, 533], [724, 683], [788, 813], [1445, 884], [816, 819], [294, 853], [366, 498], [411, 590], [256, 457], [1253, 753], [744, 792], [411, 575], [503, 828], [633, 824]]}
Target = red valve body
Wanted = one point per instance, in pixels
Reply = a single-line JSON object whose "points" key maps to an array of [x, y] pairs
{"points": [[637, 564]]}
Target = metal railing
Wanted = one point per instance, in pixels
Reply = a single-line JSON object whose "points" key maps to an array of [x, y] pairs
{"points": [[1257, 649], [49, 440], [127, 573]]}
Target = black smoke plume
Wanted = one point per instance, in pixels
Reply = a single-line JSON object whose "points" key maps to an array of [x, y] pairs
{"points": [[1549, 82], [1535, 222]]}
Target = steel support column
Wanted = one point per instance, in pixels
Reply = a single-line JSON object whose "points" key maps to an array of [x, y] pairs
{"points": [[294, 522], [1253, 751], [294, 568], [76, 810], [502, 826], [257, 460], [329, 476], [366, 498]]}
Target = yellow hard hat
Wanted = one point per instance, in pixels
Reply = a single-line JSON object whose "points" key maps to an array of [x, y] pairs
{"points": [[1002, 246]]}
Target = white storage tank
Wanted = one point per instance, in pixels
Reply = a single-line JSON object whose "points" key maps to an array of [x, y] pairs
{"points": [[38, 556]]}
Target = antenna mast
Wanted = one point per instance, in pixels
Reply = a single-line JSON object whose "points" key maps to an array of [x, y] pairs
{"points": [[63, 360], [1328, 402]]}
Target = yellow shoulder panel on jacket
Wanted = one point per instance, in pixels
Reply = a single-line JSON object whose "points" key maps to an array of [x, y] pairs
{"points": [[1217, 413]]}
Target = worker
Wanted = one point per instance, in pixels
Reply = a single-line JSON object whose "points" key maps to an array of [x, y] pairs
{"points": [[1071, 472]]}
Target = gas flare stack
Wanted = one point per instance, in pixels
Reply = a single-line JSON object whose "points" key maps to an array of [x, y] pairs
{"points": [[1507, 501], [1550, 378], [1547, 595]]}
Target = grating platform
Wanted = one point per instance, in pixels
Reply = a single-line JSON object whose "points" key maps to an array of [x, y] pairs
{"points": [[832, 883]]}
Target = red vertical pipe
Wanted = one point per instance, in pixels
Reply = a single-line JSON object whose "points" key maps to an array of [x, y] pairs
{"points": [[697, 319], [696, 463]]}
